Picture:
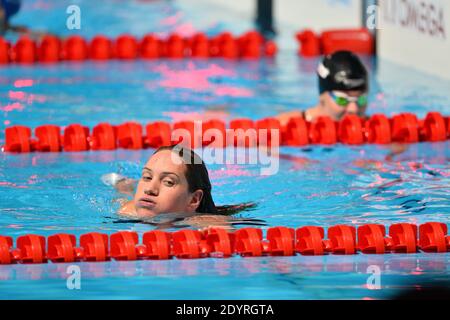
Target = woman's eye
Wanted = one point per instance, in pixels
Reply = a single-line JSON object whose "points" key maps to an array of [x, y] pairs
{"points": [[146, 178], [169, 183]]}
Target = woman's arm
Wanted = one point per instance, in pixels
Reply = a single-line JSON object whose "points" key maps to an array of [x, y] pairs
{"points": [[286, 116], [3, 21], [124, 186]]}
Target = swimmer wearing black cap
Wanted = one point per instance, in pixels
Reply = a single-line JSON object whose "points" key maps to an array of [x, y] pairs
{"points": [[8, 9], [343, 87]]}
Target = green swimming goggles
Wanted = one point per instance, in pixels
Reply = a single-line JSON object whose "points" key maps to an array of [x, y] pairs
{"points": [[344, 100]]}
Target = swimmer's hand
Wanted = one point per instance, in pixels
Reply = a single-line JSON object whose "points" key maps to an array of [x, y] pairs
{"points": [[111, 179], [121, 183]]}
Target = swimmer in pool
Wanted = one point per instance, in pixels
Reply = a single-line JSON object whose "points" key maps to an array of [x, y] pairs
{"points": [[174, 180], [343, 87], [9, 8]]}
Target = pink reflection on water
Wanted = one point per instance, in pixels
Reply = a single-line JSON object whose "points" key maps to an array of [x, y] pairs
{"points": [[328, 194], [191, 78], [41, 5], [195, 116], [198, 80], [21, 83], [14, 226], [185, 30], [13, 106], [12, 185], [378, 181], [32, 179], [26, 97], [18, 95], [172, 19], [230, 170], [233, 91]]}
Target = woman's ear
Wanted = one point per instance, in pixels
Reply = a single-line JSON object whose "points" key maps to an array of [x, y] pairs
{"points": [[196, 199], [323, 99]]}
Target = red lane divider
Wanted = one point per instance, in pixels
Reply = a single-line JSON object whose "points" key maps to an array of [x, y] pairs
{"points": [[356, 40], [51, 49], [217, 242], [351, 130]]}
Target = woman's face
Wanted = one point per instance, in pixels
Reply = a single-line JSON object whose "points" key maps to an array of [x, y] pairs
{"points": [[163, 187], [336, 112]]}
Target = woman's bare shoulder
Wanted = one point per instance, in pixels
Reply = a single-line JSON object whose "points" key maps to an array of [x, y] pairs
{"points": [[286, 116], [127, 208]]}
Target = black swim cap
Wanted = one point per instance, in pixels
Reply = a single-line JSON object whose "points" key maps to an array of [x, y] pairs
{"points": [[342, 71], [10, 7]]}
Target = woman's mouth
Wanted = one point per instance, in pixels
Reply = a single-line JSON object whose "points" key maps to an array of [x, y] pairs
{"points": [[146, 203]]}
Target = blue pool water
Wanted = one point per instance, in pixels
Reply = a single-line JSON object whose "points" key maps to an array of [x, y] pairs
{"points": [[52, 193]]}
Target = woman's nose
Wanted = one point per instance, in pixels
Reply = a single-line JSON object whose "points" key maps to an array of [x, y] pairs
{"points": [[352, 108], [151, 188]]}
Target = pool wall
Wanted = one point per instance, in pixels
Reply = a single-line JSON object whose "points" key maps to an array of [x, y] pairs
{"points": [[291, 16], [415, 34]]}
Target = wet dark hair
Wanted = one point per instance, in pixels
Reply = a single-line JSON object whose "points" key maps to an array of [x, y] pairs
{"points": [[198, 179], [342, 71]]}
